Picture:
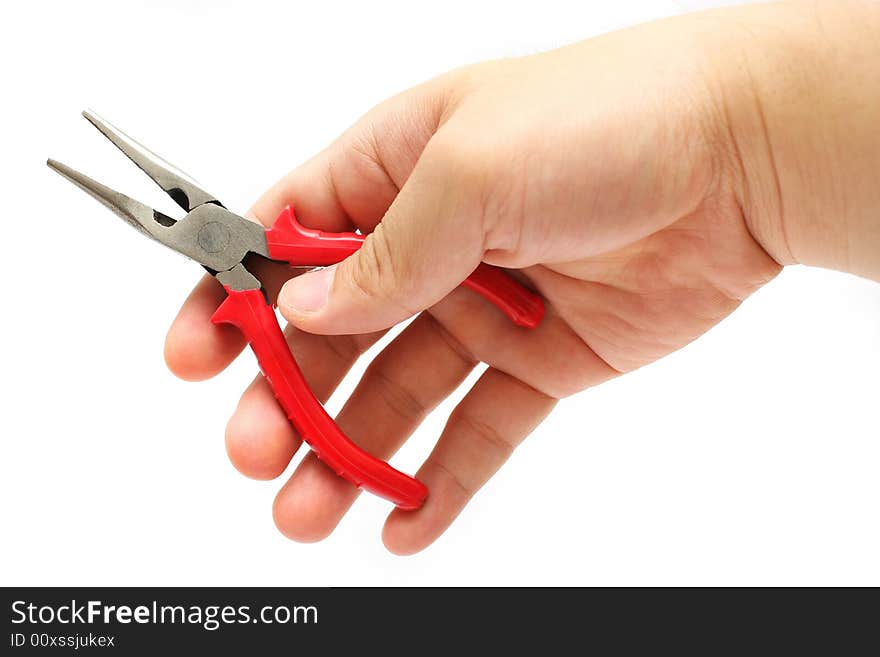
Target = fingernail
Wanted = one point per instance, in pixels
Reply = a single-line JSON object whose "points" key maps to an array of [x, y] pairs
{"points": [[307, 293]]}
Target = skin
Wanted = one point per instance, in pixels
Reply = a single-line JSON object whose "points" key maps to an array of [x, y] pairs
{"points": [[644, 182]]}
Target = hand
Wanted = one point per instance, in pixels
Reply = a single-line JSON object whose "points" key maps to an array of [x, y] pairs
{"points": [[613, 174]]}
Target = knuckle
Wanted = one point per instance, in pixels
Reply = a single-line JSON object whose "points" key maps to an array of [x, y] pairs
{"points": [[462, 157], [379, 273], [400, 398], [494, 442], [464, 488], [373, 273], [492, 446], [485, 445], [478, 172], [345, 348]]}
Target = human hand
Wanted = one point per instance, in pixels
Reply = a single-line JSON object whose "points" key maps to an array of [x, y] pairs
{"points": [[610, 174]]}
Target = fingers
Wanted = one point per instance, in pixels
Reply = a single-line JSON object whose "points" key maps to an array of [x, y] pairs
{"points": [[196, 349], [551, 358], [430, 239], [354, 181], [494, 417], [408, 379], [260, 440], [399, 390]]}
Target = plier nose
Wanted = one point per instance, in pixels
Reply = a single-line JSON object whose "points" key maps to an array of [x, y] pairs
{"points": [[221, 241]]}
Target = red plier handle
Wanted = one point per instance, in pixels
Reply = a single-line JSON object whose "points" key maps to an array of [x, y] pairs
{"points": [[251, 313], [221, 241], [255, 318], [290, 241]]}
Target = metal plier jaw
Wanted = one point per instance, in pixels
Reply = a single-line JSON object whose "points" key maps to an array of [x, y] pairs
{"points": [[221, 240]]}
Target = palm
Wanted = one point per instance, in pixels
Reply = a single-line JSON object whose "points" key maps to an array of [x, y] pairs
{"points": [[639, 303]]}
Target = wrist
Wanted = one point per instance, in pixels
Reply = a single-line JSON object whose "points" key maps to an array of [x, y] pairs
{"points": [[797, 88]]}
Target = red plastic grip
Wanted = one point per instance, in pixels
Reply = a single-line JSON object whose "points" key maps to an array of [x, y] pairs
{"points": [[521, 305], [255, 318], [290, 241]]}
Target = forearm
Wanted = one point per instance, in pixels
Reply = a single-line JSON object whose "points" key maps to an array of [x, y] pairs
{"points": [[799, 91]]}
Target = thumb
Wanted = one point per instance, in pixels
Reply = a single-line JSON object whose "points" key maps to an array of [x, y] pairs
{"points": [[428, 242]]}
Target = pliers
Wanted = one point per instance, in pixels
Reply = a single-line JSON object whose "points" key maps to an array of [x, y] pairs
{"points": [[221, 241]]}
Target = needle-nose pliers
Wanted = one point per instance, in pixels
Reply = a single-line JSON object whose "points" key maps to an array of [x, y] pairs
{"points": [[222, 241]]}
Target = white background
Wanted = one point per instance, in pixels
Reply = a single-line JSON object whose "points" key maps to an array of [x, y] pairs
{"points": [[750, 457]]}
